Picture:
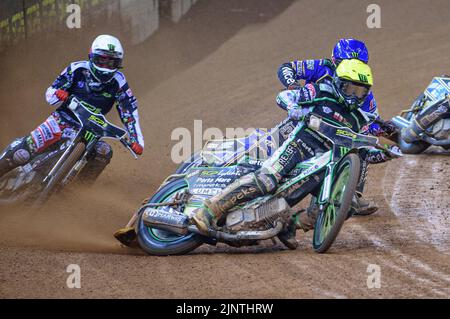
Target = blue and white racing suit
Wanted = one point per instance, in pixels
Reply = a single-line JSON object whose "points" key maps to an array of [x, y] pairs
{"points": [[314, 71]]}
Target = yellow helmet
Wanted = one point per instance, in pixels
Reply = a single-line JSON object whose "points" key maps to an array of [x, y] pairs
{"points": [[353, 80]]}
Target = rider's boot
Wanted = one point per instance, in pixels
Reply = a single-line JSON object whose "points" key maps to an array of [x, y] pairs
{"points": [[127, 236], [242, 190], [15, 155], [287, 236], [362, 207], [306, 219], [97, 162]]}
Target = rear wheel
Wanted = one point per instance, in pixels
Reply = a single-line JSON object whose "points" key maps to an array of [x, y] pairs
{"points": [[330, 221], [163, 243]]}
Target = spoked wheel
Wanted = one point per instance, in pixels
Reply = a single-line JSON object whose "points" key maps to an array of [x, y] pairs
{"points": [[65, 169], [159, 242], [330, 221]]}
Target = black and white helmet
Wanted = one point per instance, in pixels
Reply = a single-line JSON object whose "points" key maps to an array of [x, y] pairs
{"points": [[105, 57]]}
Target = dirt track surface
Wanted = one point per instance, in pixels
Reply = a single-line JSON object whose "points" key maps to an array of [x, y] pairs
{"points": [[233, 84]]}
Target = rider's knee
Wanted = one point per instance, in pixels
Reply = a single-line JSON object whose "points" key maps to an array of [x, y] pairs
{"points": [[18, 152], [103, 153]]}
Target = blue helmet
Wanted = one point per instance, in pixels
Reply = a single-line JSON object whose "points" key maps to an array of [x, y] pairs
{"points": [[350, 49]]}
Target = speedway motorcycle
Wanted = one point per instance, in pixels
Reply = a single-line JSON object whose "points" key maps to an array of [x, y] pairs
{"points": [[436, 135], [163, 223], [48, 173]]}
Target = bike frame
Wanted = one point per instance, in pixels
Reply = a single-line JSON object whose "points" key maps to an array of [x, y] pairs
{"points": [[93, 128]]}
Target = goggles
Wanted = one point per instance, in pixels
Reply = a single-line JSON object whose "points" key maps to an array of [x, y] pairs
{"points": [[107, 62], [352, 89]]}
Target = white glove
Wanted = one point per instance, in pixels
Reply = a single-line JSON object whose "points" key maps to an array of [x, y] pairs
{"points": [[295, 114]]}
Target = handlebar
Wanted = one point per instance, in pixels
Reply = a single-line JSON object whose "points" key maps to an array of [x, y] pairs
{"points": [[314, 122], [114, 132], [125, 142]]}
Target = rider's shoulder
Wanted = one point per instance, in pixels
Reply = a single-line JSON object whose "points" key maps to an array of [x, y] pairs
{"points": [[78, 65], [325, 86], [120, 79]]}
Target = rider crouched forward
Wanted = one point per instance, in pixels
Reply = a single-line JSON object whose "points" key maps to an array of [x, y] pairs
{"points": [[337, 100], [100, 85]]}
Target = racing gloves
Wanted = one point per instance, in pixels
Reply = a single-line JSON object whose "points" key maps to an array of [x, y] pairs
{"points": [[295, 114], [62, 95], [137, 148]]}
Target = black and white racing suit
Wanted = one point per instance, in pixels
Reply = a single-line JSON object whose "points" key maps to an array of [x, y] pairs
{"points": [[77, 80]]}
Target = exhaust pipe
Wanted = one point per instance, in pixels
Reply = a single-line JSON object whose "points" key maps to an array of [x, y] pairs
{"points": [[400, 122], [242, 235], [176, 223]]}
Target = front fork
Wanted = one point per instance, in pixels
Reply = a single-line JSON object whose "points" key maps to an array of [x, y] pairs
{"points": [[78, 167], [325, 193]]}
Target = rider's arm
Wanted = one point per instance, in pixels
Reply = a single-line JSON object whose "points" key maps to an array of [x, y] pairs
{"points": [[370, 106], [308, 70], [63, 82], [302, 98], [128, 110]]}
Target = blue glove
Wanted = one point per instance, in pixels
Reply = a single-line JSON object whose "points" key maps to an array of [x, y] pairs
{"points": [[295, 114]]}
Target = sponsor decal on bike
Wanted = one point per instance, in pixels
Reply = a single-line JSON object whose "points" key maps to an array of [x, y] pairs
{"points": [[96, 120], [343, 133], [206, 191], [244, 193], [306, 147], [344, 150], [89, 136], [255, 162], [207, 172], [327, 110], [287, 155], [295, 187]]}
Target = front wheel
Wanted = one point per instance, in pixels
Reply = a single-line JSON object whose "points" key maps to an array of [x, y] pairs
{"points": [[330, 221], [163, 243], [64, 170]]}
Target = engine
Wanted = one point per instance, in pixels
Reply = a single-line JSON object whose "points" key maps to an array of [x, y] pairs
{"points": [[258, 217], [441, 130]]}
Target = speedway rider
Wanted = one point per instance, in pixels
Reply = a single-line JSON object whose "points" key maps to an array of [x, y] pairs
{"points": [[314, 71], [426, 118], [338, 99], [100, 85]]}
